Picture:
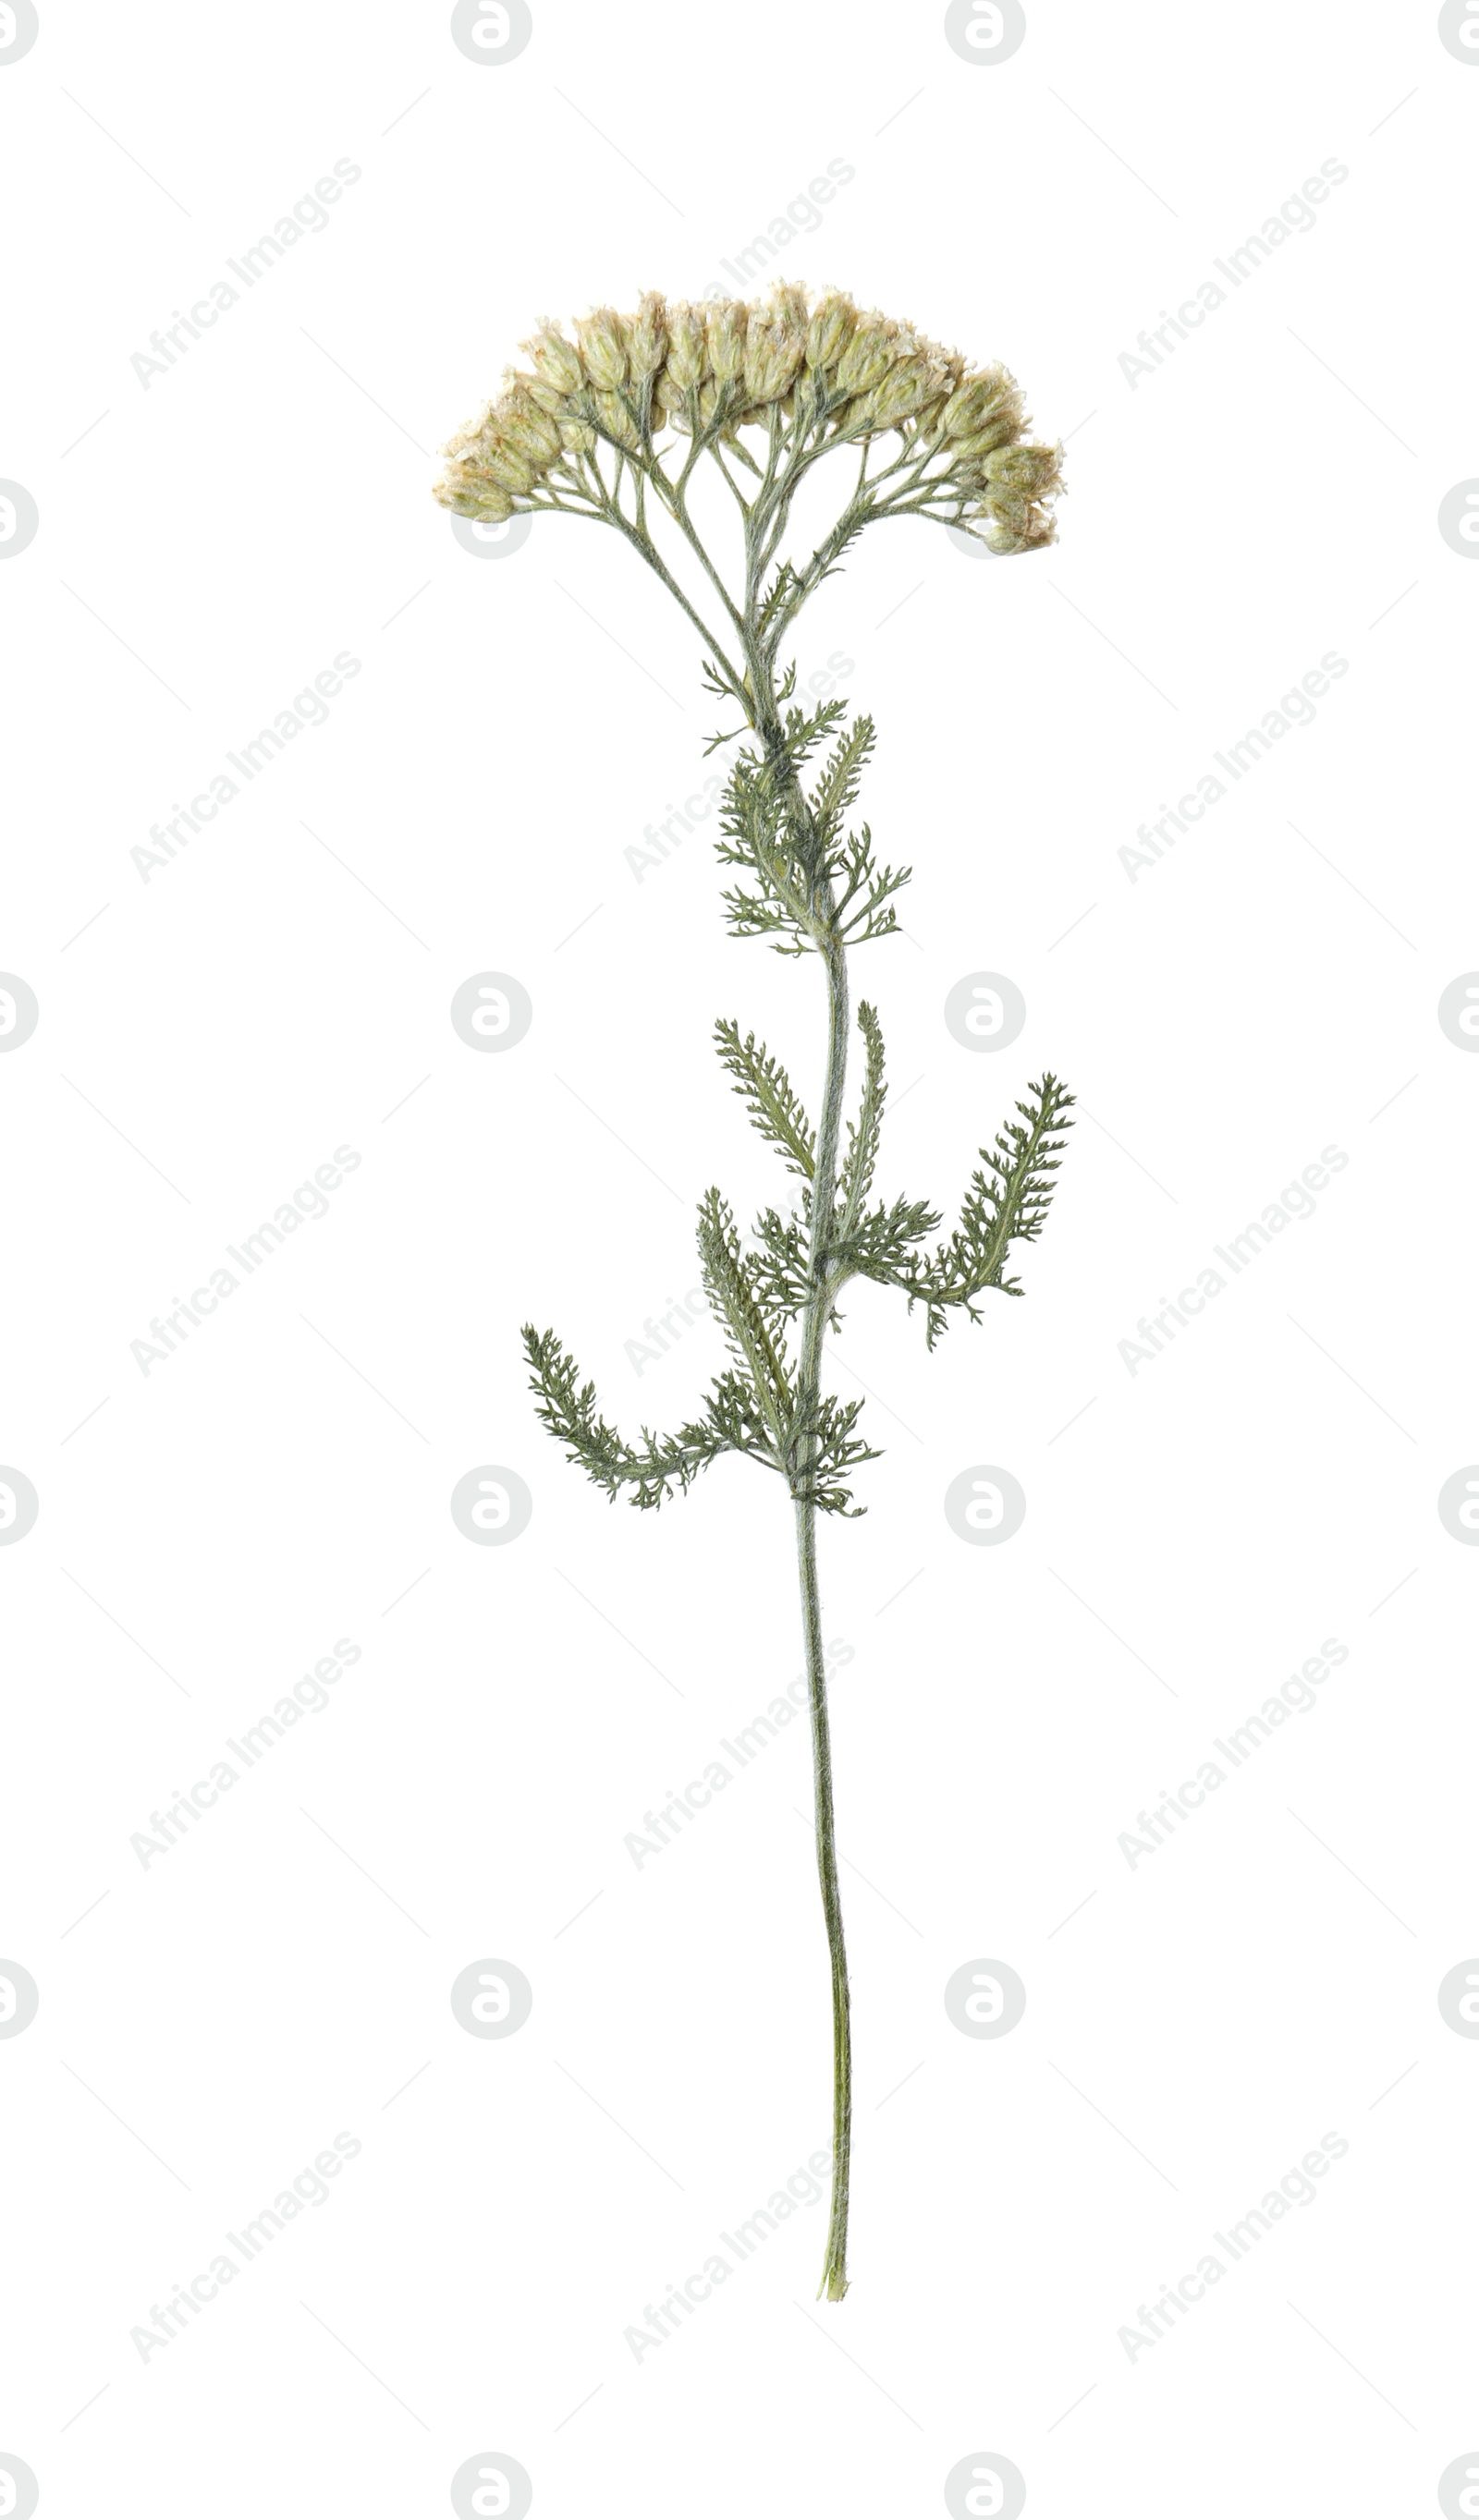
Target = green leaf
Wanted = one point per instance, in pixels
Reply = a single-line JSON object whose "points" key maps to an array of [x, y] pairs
{"points": [[766, 1092], [733, 1294], [856, 1178], [657, 1468], [1006, 1203], [836, 792]]}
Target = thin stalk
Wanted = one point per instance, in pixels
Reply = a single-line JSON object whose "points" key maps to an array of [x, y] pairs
{"points": [[834, 2277]]}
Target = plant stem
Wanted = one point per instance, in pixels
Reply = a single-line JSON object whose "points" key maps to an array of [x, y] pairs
{"points": [[834, 2274], [764, 716], [834, 2279]]}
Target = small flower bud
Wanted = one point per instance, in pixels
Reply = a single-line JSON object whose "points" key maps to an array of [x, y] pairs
{"points": [[556, 359], [687, 345], [645, 335], [996, 433], [904, 390], [616, 420], [868, 356], [480, 500], [602, 348], [504, 464], [832, 326], [726, 329], [520, 421]]}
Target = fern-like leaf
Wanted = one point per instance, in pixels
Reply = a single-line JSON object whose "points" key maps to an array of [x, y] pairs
{"points": [[758, 1345], [653, 1470], [836, 790], [857, 1177], [765, 1090], [1006, 1203]]}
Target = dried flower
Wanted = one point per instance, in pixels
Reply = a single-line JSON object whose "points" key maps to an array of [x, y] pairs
{"points": [[602, 348]]}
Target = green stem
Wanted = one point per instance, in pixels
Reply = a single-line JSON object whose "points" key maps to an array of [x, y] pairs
{"points": [[834, 2276]]}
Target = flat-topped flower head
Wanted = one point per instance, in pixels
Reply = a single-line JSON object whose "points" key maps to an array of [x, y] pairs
{"points": [[806, 373]]}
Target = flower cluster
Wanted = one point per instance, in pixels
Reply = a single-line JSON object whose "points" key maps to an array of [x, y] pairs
{"points": [[818, 375]]}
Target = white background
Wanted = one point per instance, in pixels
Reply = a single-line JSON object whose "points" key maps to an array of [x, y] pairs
{"points": [[208, 1037]]}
